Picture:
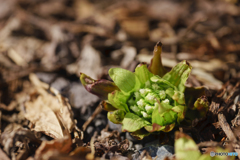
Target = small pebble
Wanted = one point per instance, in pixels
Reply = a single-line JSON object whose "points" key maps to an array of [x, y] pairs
{"points": [[131, 138], [161, 152], [79, 97], [136, 156], [130, 144], [138, 146], [100, 122], [46, 77], [151, 150], [90, 130], [60, 83], [165, 151]]}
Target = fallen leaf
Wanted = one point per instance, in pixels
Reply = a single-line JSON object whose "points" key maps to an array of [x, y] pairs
{"points": [[14, 133], [57, 146], [42, 108]]}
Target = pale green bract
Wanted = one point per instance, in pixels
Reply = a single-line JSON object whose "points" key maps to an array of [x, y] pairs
{"points": [[148, 103]]}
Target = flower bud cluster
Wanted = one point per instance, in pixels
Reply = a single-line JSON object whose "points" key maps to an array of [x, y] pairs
{"points": [[146, 99]]}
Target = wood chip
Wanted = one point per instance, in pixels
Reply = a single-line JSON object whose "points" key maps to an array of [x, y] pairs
{"points": [[227, 130]]}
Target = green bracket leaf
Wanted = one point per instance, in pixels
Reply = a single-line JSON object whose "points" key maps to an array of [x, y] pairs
{"points": [[179, 75], [132, 123], [143, 73], [126, 80]]}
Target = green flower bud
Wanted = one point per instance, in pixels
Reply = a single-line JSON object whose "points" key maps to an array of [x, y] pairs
{"points": [[151, 98], [165, 101], [145, 101], [141, 104], [137, 96], [144, 92], [162, 94], [135, 109], [149, 109], [145, 115], [153, 101]]}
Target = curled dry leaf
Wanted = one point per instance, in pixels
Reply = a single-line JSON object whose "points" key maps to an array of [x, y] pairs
{"points": [[42, 108], [57, 146], [14, 133], [43, 117]]}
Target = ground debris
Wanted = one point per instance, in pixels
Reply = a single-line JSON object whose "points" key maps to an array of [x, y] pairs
{"points": [[56, 40]]}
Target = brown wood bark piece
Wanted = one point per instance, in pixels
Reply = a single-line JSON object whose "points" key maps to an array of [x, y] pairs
{"points": [[227, 130], [230, 98]]}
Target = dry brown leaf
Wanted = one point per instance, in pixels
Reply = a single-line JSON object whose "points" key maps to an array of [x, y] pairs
{"points": [[7, 136], [42, 108], [14, 135], [57, 146], [54, 147], [136, 27], [43, 117]]}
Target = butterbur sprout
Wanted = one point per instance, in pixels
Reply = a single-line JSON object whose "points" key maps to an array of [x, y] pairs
{"points": [[148, 100]]}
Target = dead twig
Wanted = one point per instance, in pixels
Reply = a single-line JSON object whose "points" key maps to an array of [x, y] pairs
{"points": [[95, 113], [227, 130]]}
